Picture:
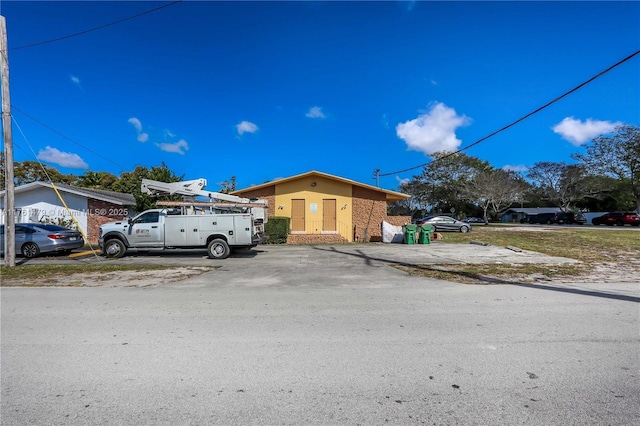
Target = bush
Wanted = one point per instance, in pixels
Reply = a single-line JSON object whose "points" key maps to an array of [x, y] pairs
{"points": [[60, 221], [277, 229]]}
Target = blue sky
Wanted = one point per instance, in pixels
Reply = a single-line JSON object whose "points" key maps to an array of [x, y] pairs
{"points": [[263, 90]]}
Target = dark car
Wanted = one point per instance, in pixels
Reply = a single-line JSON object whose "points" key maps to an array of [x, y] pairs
{"points": [[445, 223], [31, 239], [541, 218], [526, 219], [617, 218], [569, 218]]}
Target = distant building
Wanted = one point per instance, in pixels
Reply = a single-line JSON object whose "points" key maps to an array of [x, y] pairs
{"points": [[515, 214], [38, 202]]}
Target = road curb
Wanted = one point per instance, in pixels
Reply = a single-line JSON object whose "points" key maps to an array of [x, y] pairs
{"points": [[84, 254]]}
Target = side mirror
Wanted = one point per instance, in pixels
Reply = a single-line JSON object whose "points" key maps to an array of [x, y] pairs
{"points": [[130, 221]]}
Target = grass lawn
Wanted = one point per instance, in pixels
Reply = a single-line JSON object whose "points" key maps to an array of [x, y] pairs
{"points": [[594, 248], [587, 245]]}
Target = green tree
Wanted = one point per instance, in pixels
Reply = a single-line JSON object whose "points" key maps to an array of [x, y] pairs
{"points": [[130, 183], [609, 194], [441, 184], [494, 190], [33, 171], [561, 184], [228, 185], [617, 156], [97, 180]]}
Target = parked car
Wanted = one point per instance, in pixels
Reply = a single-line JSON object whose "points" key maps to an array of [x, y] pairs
{"points": [[445, 223], [526, 219], [617, 218], [541, 218], [569, 218], [476, 220], [31, 239]]}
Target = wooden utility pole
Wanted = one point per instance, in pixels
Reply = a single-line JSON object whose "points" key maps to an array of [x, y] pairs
{"points": [[9, 201]]}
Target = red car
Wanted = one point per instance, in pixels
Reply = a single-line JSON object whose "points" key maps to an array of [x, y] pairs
{"points": [[617, 218]]}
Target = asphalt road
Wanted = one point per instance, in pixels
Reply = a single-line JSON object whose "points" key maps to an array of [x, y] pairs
{"points": [[323, 335]]}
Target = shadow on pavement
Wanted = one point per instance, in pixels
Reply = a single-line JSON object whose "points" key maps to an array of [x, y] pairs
{"points": [[491, 281], [190, 253]]}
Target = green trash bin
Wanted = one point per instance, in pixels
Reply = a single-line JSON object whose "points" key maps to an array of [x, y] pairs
{"points": [[426, 231], [410, 232]]}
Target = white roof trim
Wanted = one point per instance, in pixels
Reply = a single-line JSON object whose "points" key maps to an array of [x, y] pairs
{"points": [[75, 190]]}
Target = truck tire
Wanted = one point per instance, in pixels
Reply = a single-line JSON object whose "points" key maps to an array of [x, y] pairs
{"points": [[218, 249], [114, 248]]}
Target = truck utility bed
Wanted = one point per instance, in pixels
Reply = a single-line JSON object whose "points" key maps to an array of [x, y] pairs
{"points": [[193, 230]]}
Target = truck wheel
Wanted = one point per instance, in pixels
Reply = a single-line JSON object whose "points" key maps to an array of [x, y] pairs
{"points": [[218, 249], [114, 248]]}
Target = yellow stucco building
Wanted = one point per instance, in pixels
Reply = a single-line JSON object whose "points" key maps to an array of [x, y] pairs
{"points": [[328, 208]]}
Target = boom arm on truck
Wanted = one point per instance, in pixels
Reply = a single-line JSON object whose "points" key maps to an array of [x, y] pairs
{"points": [[195, 188]]}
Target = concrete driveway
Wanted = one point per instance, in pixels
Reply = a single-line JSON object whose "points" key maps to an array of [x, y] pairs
{"points": [[434, 253], [321, 335], [296, 265]]}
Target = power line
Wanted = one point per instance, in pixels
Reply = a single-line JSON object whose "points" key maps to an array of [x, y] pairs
{"points": [[96, 28], [67, 137], [44, 170], [524, 117]]}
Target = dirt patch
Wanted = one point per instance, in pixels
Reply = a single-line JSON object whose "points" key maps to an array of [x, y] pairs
{"points": [[131, 278], [607, 272], [624, 271], [521, 229]]}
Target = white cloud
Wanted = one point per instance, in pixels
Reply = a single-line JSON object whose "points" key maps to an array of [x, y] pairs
{"points": [[519, 168], [402, 181], [578, 132], [142, 136], [433, 130], [315, 112], [63, 159], [75, 80], [136, 124], [178, 147], [246, 127], [385, 121]]}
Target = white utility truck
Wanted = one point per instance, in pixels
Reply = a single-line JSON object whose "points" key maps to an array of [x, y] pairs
{"points": [[220, 224]]}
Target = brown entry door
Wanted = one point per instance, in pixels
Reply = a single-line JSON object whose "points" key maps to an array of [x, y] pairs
{"points": [[329, 215], [297, 215]]}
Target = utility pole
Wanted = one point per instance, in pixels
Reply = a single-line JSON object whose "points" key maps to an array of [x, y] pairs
{"points": [[376, 176], [9, 201]]}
